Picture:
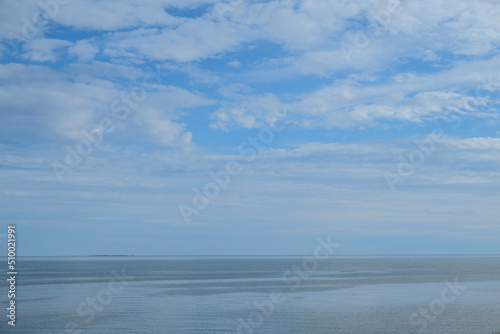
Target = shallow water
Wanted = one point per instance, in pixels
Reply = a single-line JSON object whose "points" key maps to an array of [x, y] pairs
{"points": [[256, 295]]}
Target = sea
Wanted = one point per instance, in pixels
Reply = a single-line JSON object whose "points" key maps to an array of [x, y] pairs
{"points": [[222, 295]]}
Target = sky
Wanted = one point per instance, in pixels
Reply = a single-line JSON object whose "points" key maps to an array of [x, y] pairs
{"points": [[199, 127]]}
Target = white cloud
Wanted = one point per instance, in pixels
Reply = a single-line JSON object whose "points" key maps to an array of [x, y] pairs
{"points": [[164, 130], [192, 40], [430, 56], [470, 27], [16, 17], [478, 143], [44, 49], [467, 87], [84, 50], [195, 73], [424, 106], [341, 107], [234, 63], [250, 112], [110, 15], [40, 105]]}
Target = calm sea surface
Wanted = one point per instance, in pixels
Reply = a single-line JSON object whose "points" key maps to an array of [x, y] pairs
{"points": [[255, 295]]}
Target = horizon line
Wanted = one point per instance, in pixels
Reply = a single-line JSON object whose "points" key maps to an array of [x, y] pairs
{"points": [[262, 255]]}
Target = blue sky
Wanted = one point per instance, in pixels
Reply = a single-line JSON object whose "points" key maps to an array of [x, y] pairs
{"points": [[376, 122]]}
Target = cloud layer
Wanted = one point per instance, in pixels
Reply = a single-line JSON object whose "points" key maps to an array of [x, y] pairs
{"points": [[137, 104]]}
